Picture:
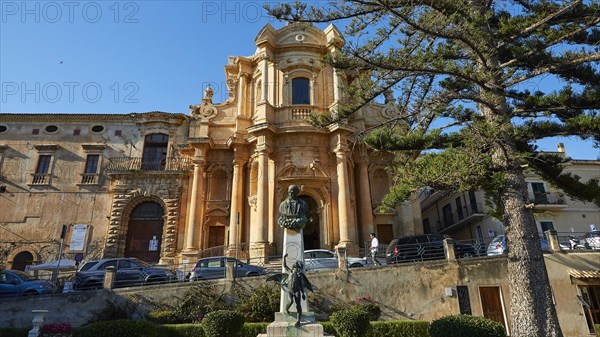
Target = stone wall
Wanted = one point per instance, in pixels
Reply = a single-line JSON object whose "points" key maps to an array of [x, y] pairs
{"points": [[410, 291]]}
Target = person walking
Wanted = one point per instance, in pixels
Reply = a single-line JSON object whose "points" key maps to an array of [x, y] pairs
{"points": [[374, 249]]}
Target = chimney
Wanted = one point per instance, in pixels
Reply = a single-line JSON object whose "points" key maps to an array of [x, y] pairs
{"points": [[561, 148]]}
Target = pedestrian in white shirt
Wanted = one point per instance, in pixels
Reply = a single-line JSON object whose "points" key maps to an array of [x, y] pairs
{"points": [[374, 248]]}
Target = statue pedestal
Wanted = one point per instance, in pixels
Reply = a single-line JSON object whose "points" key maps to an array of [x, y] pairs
{"points": [[293, 246], [284, 326]]}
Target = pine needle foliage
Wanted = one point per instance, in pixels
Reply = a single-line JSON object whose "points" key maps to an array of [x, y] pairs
{"points": [[472, 81]]}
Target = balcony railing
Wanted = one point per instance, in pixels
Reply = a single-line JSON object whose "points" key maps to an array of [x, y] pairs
{"points": [[89, 179], [40, 179], [132, 164], [301, 113], [547, 198], [465, 214]]}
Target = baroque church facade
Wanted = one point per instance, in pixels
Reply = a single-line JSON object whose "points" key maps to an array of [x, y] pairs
{"points": [[165, 187]]}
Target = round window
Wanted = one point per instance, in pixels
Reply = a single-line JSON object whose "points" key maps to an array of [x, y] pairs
{"points": [[3, 128], [51, 128], [97, 128]]}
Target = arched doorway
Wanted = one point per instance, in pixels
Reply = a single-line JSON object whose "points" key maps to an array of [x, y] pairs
{"points": [[21, 260], [144, 233], [311, 230]]}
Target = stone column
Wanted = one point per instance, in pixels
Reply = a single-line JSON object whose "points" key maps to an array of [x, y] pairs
{"points": [[236, 206], [191, 229], [258, 232], [336, 87], [265, 78], [346, 224], [366, 210]]}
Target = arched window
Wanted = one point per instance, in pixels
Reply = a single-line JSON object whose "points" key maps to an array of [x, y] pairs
{"points": [[300, 90], [218, 185]]}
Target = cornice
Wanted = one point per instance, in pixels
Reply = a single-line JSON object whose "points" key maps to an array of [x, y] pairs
{"points": [[89, 118]]}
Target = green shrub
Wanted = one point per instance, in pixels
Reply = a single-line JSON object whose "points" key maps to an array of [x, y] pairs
{"points": [[261, 305], [199, 300], [14, 332], [223, 323], [352, 322], [400, 329], [372, 309], [180, 330], [117, 328], [597, 327], [164, 317], [466, 326], [114, 310], [328, 328], [253, 329]]}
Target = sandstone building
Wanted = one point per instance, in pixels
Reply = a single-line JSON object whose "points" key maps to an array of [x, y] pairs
{"points": [[465, 216], [165, 186]]}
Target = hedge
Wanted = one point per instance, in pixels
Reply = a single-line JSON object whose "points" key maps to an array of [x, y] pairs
{"points": [[180, 330], [14, 332], [399, 329], [378, 329], [117, 328], [389, 329], [466, 326]]}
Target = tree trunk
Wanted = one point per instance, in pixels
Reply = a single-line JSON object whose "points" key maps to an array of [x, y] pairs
{"points": [[532, 310]]}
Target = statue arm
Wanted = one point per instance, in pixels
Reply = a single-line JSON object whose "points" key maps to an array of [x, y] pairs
{"points": [[285, 264]]}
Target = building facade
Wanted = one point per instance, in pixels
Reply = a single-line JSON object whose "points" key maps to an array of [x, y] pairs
{"points": [[466, 216], [164, 187]]}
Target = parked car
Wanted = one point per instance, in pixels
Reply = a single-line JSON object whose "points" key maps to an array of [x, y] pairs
{"points": [[592, 240], [214, 267], [498, 246], [424, 247], [19, 283], [325, 259], [129, 272]]}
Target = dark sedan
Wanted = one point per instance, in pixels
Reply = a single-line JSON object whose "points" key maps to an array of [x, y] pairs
{"points": [[424, 247], [18, 283], [214, 267], [129, 272]]}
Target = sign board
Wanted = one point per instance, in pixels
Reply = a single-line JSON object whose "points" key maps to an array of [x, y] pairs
{"points": [[153, 245], [78, 236], [491, 233], [78, 257]]}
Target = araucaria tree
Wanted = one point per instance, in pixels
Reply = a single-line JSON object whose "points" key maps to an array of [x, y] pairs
{"points": [[478, 83]]}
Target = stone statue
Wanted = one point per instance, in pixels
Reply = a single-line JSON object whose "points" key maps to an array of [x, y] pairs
{"points": [[292, 211], [208, 92], [296, 284]]}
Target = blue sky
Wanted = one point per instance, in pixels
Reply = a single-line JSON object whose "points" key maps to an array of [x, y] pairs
{"points": [[132, 56]]}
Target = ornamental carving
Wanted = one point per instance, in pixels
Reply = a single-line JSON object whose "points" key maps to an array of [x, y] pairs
{"points": [[312, 171], [128, 193]]}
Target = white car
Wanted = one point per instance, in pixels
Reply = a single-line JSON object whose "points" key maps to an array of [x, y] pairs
{"points": [[325, 259]]}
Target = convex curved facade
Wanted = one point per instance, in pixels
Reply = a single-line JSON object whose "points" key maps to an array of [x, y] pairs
{"points": [[165, 187]]}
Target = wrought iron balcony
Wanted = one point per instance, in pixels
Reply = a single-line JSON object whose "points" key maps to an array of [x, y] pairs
{"points": [[547, 200], [134, 165]]}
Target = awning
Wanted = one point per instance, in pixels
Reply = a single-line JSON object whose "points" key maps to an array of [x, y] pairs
{"points": [[53, 265], [585, 277]]}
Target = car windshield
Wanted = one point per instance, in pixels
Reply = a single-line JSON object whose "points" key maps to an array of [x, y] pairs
{"points": [[24, 275], [498, 239], [88, 265], [143, 263]]}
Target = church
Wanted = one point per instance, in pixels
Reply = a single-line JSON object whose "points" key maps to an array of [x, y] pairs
{"points": [[170, 187]]}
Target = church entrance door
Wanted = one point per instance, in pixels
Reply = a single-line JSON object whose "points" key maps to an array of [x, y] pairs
{"points": [[312, 239], [144, 234]]}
